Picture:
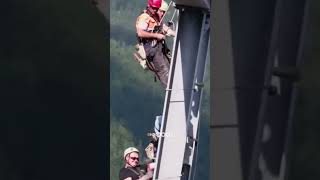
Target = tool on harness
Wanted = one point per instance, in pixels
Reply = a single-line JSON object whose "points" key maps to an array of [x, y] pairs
{"points": [[146, 64], [140, 56]]}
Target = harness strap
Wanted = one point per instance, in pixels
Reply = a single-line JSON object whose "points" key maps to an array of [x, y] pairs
{"points": [[154, 16], [135, 172]]}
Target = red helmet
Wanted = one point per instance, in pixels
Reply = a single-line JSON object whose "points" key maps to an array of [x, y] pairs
{"points": [[154, 3]]}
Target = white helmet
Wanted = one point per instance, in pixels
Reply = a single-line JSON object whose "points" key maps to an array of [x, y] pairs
{"points": [[129, 150], [164, 6]]}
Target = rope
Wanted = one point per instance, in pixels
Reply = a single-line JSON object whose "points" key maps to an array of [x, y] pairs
{"points": [[173, 15]]}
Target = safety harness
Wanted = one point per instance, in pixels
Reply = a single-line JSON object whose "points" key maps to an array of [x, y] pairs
{"points": [[140, 54], [138, 172]]}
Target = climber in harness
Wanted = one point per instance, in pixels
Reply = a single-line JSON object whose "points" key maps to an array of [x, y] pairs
{"points": [[151, 49], [132, 169]]}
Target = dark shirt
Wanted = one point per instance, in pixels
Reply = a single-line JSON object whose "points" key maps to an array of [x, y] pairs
{"points": [[134, 173]]}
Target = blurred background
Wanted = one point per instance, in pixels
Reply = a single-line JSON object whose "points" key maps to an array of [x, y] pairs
{"points": [[306, 135], [53, 100]]}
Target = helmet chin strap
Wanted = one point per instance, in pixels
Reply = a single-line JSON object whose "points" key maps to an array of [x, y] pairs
{"points": [[153, 15], [127, 164]]}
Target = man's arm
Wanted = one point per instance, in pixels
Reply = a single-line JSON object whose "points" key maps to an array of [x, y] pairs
{"points": [[169, 31], [144, 34], [147, 176]]}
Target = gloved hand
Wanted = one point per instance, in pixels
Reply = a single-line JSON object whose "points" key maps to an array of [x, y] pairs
{"points": [[170, 32], [160, 36], [170, 24]]}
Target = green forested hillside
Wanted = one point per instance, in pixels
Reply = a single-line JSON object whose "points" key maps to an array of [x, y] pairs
{"points": [[134, 96]]}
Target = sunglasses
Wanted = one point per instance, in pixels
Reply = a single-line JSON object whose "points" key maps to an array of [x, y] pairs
{"points": [[134, 158], [154, 8]]}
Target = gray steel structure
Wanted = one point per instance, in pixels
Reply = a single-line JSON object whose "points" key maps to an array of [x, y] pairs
{"points": [[177, 147], [203, 4], [258, 47]]}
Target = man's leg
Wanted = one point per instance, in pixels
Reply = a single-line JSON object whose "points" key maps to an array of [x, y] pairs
{"points": [[161, 65]]}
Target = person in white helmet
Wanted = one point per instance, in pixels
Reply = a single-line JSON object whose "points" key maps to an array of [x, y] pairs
{"points": [[167, 30], [150, 48], [132, 170]]}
